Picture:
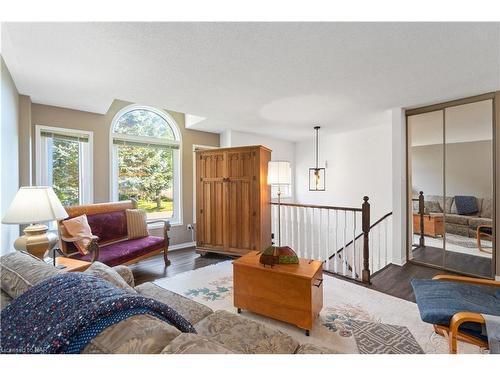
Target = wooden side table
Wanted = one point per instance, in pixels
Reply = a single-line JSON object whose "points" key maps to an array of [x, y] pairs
{"points": [[292, 293], [72, 265]]}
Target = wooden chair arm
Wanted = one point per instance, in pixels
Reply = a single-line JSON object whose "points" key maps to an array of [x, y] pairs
{"points": [[92, 248], [456, 321], [166, 227], [166, 223], [467, 280]]}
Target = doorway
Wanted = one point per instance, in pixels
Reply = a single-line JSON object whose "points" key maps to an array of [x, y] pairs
{"points": [[451, 174]]}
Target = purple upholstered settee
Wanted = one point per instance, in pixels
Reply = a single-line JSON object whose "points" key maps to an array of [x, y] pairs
{"points": [[110, 244]]}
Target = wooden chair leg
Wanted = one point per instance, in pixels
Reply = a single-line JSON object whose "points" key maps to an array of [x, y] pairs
{"points": [[452, 342], [478, 238]]}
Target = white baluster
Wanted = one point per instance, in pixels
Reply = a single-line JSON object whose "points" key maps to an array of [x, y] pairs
{"points": [[335, 262], [354, 258], [295, 228], [344, 252], [313, 236], [328, 250], [303, 233]]}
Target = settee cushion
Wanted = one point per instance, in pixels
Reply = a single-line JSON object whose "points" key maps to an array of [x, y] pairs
{"points": [[138, 334], [457, 219], [20, 271], [124, 251], [108, 226], [188, 343], [192, 311], [474, 222], [245, 336], [439, 300]]}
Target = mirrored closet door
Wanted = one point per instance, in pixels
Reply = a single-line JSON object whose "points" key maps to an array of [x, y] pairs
{"points": [[450, 187]]}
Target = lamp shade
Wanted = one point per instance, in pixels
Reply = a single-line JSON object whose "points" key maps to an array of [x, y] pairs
{"points": [[34, 204], [279, 173]]}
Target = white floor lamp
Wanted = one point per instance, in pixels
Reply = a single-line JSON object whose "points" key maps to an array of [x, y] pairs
{"points": [[279, 174]]}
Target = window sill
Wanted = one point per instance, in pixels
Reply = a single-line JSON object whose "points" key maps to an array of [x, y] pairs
{"points": [[160, 225]]}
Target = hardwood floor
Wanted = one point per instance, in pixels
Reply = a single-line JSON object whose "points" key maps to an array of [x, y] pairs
{"points": [[393, 280], [181, 261], [466, 263]]}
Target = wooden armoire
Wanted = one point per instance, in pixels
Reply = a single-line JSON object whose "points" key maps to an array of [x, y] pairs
{"points": [[233, 211]]}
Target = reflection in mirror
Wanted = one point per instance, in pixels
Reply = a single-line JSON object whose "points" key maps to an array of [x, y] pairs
{"points": [[426, 175], [469, 186]]}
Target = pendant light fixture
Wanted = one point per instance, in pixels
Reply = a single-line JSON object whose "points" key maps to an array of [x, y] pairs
{"points": [[317, 174]]}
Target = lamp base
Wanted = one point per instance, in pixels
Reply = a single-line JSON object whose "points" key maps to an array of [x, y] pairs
{"points": [[36, 240]]}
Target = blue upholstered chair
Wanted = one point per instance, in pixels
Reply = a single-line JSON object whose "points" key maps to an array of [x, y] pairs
{"points": [[454, 304]]}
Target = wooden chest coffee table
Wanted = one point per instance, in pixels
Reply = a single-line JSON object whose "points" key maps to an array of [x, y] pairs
{"points": [[292, 293], [433, 224]]}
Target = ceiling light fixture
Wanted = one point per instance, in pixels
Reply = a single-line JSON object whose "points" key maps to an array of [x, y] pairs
{"points": [[317, 174]]}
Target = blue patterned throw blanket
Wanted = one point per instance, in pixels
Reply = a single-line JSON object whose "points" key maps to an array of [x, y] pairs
{"points": [[64, 313]]}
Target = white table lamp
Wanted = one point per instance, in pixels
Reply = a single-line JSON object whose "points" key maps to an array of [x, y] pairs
{"points": [[33, 205]]}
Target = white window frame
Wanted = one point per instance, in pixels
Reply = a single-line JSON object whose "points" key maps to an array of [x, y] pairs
{"points": [[86, 163], [177, 218], [197, 147]]}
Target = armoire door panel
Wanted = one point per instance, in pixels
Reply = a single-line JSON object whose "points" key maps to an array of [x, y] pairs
{"points": [[212, 165], [212, 214], [240, 164], [240, 215]]}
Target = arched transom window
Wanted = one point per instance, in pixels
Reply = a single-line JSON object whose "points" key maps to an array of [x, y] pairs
{"points": [[146, 161]]}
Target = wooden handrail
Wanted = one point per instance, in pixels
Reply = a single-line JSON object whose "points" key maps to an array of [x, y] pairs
{"points": [[320, 207], [361, 234], [365, 226]]}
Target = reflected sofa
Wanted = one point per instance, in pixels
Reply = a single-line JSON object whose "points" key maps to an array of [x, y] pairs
{"points": [[463, 225]]}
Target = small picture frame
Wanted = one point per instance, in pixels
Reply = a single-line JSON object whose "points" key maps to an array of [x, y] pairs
{"points": [[317, 179]]}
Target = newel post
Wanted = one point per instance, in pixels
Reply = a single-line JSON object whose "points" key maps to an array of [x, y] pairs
{"points": [[365, 218], [421, 211]]}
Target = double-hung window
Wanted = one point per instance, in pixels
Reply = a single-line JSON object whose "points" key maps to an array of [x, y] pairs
{"points": [[64, 161], [145, 161]]}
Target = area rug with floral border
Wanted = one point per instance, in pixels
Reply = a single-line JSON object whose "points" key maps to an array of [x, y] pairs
{"points": [[354, 319]]}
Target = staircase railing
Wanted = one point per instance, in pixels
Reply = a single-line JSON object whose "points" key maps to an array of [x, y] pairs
{"points": [[339, 236]]}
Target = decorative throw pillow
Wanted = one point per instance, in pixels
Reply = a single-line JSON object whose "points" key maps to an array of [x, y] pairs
{"points": [[137, 226], [79, 227], [466, 204], [107, 273]]}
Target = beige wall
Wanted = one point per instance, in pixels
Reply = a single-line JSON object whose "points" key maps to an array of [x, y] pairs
{"points": [[100, 125], [469, 169], [9, 138]]}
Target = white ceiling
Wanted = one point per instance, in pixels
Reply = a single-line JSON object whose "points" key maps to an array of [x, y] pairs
{"points": [[270, 78]]}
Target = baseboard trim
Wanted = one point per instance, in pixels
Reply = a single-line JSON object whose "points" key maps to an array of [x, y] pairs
{"points": [[180, 246]]}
